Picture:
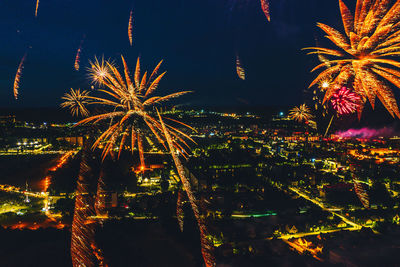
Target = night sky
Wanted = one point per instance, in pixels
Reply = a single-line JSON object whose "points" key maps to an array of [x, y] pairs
{"points": [[198, 40]]}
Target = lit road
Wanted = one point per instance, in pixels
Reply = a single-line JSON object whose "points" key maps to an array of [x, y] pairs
{"points": [[299, 235], [322, 206]]}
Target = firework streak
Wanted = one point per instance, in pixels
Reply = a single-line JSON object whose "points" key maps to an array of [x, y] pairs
{"points": [[37, 8], [179, 209], [130, 28], [82, 234], [265, 9], [207, 247], [18, 76], [78, 57], [239, 69]]}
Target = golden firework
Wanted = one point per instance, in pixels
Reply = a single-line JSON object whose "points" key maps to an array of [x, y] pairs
{"points": [[324, 84], [76, 101], [301, 113], [98, 70], [126, 106], [364, 54]]}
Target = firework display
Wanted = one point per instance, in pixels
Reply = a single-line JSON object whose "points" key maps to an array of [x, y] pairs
{"points": [[18, 76], [243, 154], [345, 101], [76, 101], [127, 102], [301, 113], [364, 54]]}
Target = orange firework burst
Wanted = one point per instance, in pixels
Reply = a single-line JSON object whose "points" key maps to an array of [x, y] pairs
{"points": [[37, 8], [364, 58], [127, 104], [265, 8], [239, 69], [300, 113], [18, 76], [130, 28]]}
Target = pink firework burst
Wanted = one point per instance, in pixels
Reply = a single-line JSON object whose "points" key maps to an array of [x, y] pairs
{"points": [[345, 101]]}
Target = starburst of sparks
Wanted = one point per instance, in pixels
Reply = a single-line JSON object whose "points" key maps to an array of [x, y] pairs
{"points": [[301, 113], [364, 54], [127, 104], [18, 76], [325, 83], [99, 70], [345, 101], [76, 101]]}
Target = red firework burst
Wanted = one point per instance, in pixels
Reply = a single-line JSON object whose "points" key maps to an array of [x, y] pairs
{"points": [[345, 101]]}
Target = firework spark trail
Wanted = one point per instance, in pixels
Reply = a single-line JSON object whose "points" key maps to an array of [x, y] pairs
{"points": [[100, 195], [207, 247], [130, 28], [239, 69], [18, 76], [37, 8], [329, 126], [265, 8], [82, 233], [78, 56], [179, 209], [364, 54]]}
